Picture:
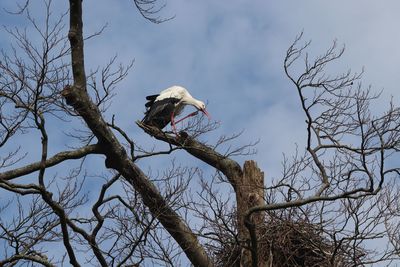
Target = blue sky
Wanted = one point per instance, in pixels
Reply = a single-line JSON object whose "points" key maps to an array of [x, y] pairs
{"points": [[230, 54]]}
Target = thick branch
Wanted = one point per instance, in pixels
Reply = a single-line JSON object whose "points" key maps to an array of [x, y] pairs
{"points": [[75, 36], [56, 159], [230, 168], [33, 258]]}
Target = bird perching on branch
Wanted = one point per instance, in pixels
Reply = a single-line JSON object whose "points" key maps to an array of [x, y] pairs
{"points": [[162, 108]]}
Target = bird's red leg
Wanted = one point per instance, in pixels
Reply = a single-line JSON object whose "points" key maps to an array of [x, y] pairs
{"points": [[190, 115], [173, 122]]}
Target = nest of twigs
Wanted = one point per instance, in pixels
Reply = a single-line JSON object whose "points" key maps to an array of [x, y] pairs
{"points": [[288, 243]]}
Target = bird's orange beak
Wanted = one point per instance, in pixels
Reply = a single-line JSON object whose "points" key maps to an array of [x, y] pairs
{"points": [[206, 113]]}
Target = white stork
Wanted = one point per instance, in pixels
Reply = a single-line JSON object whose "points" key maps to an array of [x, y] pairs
{"points": [[161, 109]]}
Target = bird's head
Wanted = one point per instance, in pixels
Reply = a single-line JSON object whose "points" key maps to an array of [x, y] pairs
{"points": [[201, 107]]}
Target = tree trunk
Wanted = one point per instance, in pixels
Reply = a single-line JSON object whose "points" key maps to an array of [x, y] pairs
{"points": [[250, 193]]}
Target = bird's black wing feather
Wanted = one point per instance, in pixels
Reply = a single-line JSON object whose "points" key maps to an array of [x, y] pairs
{"points": [[159, 113], [151, 99]]}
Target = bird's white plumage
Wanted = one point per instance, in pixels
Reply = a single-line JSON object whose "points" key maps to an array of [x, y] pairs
{"points": [[175, 91], [180, 93]]}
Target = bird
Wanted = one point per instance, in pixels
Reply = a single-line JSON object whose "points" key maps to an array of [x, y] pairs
{"points": [[162, 108]]}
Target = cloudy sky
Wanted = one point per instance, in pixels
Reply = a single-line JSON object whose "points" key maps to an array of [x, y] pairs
{"points": [[230, 55]]}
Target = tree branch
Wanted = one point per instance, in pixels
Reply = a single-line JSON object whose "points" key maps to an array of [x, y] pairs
{"points": [[230, 168], [56, 159]]}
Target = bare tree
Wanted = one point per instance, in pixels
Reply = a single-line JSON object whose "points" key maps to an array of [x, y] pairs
{"points": [[346, 159], [332, 198]]}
